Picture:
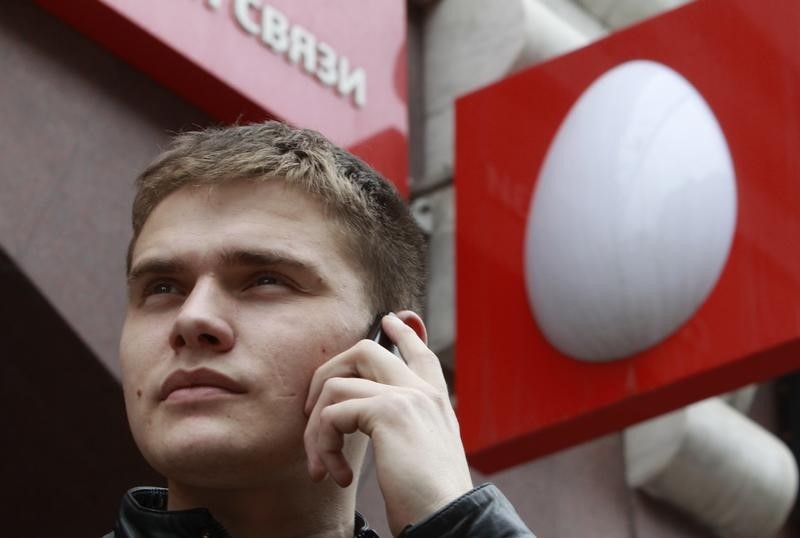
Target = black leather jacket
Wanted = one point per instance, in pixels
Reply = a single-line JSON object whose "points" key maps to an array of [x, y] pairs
{"points": [[483, 512]]}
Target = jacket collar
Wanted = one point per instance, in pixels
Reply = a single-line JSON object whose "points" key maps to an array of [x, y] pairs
{"points": [[144, 514]]}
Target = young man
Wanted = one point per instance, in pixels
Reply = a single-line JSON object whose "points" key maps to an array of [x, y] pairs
{"points": [[260, 258]]}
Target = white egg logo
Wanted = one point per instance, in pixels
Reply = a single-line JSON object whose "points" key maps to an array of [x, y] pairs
{"points": [[633, 215]]}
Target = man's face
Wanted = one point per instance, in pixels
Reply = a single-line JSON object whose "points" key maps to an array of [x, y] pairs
{"points": [[236, 295]]}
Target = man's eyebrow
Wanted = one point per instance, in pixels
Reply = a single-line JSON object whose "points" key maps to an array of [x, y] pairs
{"points": [[155, 266], [266, 258], [232, 258]]}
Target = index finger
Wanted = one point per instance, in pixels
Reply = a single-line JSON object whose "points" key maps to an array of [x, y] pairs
{"points": [[420, 359], [367, 360]]}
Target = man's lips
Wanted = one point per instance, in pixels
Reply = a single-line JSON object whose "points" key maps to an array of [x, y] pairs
{"points": [[202, 382]]}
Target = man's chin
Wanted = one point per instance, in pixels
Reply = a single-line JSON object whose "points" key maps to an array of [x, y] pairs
{"points": [[223, 459]]}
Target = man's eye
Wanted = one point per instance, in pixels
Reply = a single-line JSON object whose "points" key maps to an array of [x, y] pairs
{"points": [[269, 280], [160, 288], [272, 281]]}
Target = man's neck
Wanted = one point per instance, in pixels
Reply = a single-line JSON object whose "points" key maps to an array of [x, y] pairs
{"points": [[291, 508]]}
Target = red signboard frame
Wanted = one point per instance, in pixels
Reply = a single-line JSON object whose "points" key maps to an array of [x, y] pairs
{"points": [[520, 398]]}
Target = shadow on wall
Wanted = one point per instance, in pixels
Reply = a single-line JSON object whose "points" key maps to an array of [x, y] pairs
{"points": [[787, 392], [68, 456]]}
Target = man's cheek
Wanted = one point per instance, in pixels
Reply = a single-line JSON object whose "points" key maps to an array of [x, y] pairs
{"points": [[285, 376]]}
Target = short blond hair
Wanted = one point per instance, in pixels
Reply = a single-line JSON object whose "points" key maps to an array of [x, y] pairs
{"points": [[382, 234]]}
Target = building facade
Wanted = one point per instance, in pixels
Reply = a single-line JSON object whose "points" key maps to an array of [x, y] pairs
{"points": [[80, 122]]}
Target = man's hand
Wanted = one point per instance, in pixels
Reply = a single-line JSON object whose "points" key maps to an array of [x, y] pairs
{"points": [[406, 411]]}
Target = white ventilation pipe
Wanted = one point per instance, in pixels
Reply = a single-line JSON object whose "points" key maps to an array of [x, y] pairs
{"points": [[716, 465], [472, 43], [617, 13]]}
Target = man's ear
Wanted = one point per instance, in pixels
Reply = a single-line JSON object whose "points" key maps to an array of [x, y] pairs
{"points": [[413, 320]]}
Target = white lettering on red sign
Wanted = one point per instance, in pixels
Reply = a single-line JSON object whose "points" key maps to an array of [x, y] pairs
{"points": [[301, 47], [274, 30]]}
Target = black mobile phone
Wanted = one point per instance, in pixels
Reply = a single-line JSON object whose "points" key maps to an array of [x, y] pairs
{"points": [[376, 334]]}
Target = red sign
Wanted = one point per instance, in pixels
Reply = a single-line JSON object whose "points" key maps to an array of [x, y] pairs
{"points": [[519, 397], [338, 67]]}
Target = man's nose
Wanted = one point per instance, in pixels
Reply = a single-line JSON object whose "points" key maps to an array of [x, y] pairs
{"points": [[201, 322]]}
